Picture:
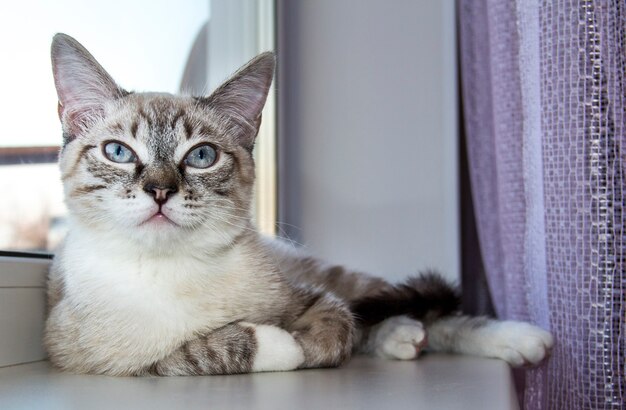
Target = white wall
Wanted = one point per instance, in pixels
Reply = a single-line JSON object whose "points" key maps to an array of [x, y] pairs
{"points": [[367, 111]]}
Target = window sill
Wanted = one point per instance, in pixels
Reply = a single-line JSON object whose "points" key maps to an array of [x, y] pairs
{"points": [[433, 382]]}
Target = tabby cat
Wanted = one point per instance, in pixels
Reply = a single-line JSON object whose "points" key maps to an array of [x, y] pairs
{"points": [[163, 273]]}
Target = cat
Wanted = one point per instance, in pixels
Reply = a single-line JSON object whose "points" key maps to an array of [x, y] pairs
{"points": [[163, 273]]}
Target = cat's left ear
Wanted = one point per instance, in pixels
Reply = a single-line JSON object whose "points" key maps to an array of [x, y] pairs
{"points": [[243, 96], [83, 86]]}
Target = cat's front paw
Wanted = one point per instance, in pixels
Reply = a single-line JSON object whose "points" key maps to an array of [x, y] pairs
{"points": [[276, 349], [518, 343], [400, 338]]}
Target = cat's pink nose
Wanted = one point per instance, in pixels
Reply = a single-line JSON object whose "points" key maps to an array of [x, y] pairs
{"points": [[160, 194]]}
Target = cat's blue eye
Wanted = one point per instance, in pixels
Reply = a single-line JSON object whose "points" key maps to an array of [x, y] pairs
{"points": [[118, 152], [201, 157]]}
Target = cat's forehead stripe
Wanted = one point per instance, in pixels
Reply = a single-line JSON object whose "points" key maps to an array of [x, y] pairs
{"points": [[143, 115], [206, 130], [176, 117], [117, 128], [133, 128], [167, 118], [188, 128]]}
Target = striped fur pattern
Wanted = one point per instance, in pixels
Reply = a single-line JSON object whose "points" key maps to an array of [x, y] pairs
{"points": [[163, 273]]}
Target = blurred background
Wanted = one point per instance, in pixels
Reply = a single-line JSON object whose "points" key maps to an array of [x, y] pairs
{"points": [[357, 159]]}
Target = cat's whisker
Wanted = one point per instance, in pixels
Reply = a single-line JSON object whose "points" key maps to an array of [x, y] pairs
{"points": [[283, 233], [225, 220], [279, 226], [286, 237]]}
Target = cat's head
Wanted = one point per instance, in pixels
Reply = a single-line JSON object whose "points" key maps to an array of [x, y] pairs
{"points": [[157, 167]]}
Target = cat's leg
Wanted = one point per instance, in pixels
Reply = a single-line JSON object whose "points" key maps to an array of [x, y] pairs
{"points": [[398, 337], [235, 348], [518, 343], [320, 336], [401, 337], [325, 331]]}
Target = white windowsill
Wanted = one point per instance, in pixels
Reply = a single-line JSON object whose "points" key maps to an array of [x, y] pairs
{"points": [[439, 382]]}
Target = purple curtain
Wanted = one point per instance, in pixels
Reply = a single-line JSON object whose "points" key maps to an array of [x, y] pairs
{"points": [[545, 118]]}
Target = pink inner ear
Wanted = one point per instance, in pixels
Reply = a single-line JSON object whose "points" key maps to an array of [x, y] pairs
{"points": [[83, 86], [82, 95], [252, 106], [243, 95]]}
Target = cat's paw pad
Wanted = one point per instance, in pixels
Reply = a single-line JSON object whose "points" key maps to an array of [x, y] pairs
{"points": [[519, 343], [276, 350], [400, 338]]}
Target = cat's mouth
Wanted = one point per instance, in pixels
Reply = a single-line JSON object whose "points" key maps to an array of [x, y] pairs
{"points": [[159, 218]]}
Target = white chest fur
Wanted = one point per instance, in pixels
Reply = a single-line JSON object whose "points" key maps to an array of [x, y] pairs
{"points": [[149, 303]]}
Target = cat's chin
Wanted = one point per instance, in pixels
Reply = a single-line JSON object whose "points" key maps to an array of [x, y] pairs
{"points": [[157, 231], [158, 236]]}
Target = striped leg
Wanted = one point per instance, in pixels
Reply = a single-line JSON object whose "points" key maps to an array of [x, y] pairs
{"points": [[321, 336], [235, 348], [325, 330]]}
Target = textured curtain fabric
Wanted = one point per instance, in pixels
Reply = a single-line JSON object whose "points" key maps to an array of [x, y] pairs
{"points": [[544, 98]]}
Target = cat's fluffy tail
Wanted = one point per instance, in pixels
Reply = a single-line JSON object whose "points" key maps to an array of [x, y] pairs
{"points": [[424, 297]]}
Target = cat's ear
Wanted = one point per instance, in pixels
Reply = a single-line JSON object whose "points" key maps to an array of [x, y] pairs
{"points": [[243, 96], [83, 86]]}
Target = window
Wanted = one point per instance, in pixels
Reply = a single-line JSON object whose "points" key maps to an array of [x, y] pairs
{"points": [[146, 45]]}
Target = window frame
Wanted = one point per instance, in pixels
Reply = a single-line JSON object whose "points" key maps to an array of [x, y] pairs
{"points": [[250, 26]]}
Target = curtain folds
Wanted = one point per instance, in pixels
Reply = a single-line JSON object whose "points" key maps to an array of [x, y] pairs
{"points": [[545, 118]]}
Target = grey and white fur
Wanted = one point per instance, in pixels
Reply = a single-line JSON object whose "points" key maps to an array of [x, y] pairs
{"points": [[163, 273]]}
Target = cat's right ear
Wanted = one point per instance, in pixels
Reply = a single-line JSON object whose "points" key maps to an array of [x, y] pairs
{"points": [[83, 86], [242, 97]]}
